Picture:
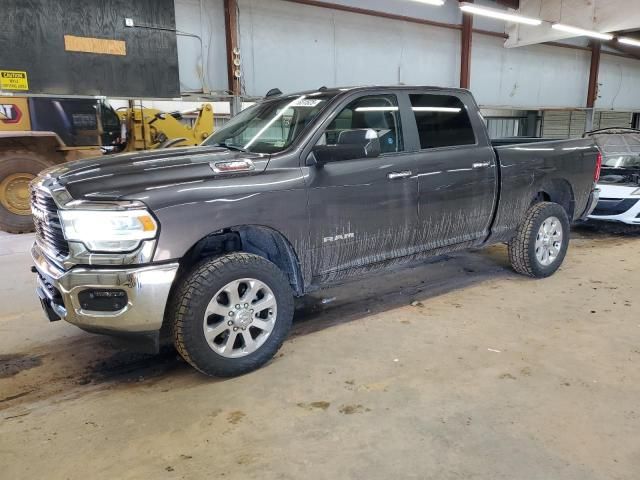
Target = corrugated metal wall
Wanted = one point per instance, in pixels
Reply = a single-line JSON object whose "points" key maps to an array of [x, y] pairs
{"points": [[567, 124], [613, 119]]}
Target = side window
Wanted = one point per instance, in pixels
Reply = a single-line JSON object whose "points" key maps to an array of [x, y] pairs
{"points": [[374, 112], [442, 121], [110, 120]]}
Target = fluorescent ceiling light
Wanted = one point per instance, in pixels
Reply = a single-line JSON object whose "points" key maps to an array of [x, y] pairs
{"points": [[629, 41], [436, 109], [377, 109], [437, 3], [499, 14], [581, 31]]}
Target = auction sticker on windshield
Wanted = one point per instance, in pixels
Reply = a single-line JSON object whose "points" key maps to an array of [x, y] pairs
{"points": [[305, 102], [13, 80]]}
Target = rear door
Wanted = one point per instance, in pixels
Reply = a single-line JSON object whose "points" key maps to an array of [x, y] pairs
{"points": [[456, 169], [362, 211]]}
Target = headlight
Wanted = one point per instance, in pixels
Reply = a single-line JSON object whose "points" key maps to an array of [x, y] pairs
{"points": [[636, 192], [107, 230]]}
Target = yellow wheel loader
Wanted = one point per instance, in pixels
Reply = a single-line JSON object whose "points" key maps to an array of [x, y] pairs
{"points": [[39, 132]]}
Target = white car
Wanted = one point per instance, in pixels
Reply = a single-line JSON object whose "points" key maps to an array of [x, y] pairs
{"points": [[620, 176]]}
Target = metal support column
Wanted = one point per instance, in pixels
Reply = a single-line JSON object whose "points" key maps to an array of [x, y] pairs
{"points": [[465, 50], [236, 105], [233, 54], [592, 93]]}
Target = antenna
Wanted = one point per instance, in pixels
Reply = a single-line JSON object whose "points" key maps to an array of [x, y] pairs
{"points": [[274, 92]]}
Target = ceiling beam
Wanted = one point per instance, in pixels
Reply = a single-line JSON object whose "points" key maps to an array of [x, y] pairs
{"points": [[622, 48]]}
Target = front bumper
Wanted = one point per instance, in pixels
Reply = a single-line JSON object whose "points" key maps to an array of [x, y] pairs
{"points": [[147, 290]]}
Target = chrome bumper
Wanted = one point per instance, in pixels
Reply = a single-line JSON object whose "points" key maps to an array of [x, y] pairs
{"points": [[147, 291]]}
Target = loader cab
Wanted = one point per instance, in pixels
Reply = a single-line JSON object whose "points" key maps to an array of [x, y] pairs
{"points": [[111, 127], [78, 122]]}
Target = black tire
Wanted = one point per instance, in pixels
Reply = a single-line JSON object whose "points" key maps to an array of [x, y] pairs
{"points": [[197, 289], [522, 247], [18, 162]]}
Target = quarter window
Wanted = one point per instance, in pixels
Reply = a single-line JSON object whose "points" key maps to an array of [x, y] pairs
{"points": [[376, 112], [442, 121]]}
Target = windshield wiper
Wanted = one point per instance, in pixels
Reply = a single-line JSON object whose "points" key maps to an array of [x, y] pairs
{"points": [[231, 147]]}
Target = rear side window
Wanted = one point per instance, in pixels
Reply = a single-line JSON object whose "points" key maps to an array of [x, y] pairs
{"points": [[442, 121]]}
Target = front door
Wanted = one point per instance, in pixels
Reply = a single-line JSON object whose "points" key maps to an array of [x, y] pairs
{"points": [[362, 211]]}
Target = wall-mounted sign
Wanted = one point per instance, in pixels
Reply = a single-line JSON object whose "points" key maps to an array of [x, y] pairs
{"points": [[13, 80], [94, 45]]}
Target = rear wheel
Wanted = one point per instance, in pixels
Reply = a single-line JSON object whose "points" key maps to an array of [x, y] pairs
{"points": [[17, 169], [541, 241], [231, 314]]}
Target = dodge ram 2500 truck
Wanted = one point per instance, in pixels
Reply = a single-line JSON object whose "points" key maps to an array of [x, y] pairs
{"points": [[208, 246]]}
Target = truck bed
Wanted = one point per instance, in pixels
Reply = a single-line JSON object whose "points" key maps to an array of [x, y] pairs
{"points": [[560, 169]]}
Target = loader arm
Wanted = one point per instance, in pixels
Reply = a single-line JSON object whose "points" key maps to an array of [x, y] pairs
{"points": [[149, 128]]}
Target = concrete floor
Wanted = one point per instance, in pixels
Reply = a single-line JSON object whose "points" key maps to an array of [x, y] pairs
{"points": [[452, 370]]}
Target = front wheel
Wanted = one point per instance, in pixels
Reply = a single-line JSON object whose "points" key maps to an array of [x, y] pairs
{"points": [[231, 314], [541, 241]]}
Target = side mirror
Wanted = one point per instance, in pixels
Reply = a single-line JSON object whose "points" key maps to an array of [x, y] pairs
{"points": [[352, 144]]}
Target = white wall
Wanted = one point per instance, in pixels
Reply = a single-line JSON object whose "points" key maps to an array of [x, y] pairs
{"points": [[619, 81], [206, 68], [297, 47], [536, 76]]}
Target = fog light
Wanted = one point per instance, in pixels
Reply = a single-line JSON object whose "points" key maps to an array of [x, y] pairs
{"points": [[103, 300]]}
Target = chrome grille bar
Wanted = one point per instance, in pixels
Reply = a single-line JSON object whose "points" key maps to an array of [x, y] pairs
{"points": [[49, 235]]}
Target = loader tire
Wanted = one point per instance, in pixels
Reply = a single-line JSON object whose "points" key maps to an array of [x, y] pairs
{"points": [[17, 169]]}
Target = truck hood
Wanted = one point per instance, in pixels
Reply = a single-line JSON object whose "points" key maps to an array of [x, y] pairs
{"points": [[115, 176]]}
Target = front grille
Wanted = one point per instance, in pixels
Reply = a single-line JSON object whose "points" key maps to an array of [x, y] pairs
{"points": [[49, 234], [613, 206]]}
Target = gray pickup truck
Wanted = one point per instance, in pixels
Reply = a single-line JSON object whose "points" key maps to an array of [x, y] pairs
{"points": [[208, 246]]}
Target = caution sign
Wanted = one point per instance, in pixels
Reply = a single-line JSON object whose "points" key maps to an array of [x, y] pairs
{"points": [[13, 80]]}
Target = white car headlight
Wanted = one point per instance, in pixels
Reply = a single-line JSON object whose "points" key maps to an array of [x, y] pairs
{"points": [[108, 230], [636, 192]]}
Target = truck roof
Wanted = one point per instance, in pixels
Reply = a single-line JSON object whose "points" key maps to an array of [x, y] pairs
{"points": [[341, 90]]}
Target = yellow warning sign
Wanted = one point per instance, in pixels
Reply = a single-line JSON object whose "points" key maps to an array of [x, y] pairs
{"points": [[13, 80]]}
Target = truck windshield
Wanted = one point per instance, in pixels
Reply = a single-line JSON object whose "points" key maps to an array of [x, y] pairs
{"points": [[270, 126]]}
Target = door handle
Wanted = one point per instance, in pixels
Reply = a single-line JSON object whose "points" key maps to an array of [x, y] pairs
{"points": [[396, 175], [480, 165]]}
